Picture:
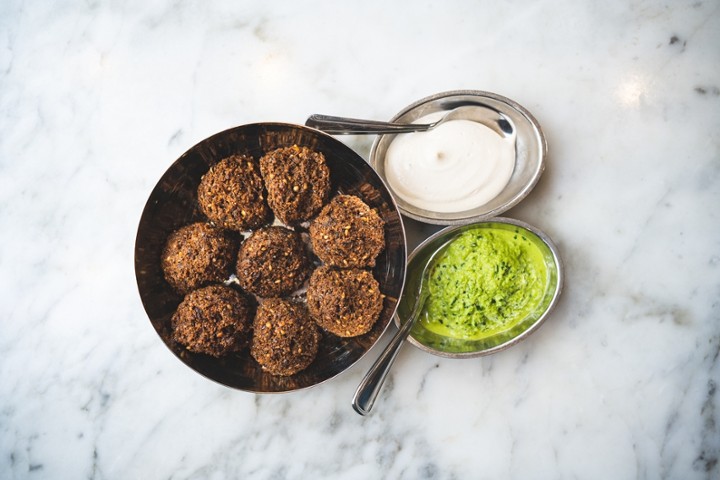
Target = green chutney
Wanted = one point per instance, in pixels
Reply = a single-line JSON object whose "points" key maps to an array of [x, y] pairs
{"points": [[484, 283]]}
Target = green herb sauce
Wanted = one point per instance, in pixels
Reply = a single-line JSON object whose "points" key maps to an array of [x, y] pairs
{"points": [[486, 282]]}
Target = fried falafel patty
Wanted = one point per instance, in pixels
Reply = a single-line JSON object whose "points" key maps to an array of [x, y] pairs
{"points": [[232, 195], [346, 303], [273, 262], [285, 339], [348, 233], [196, 255], [297, 181], [214, 320]]}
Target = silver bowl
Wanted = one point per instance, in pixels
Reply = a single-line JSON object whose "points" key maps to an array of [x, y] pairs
{"points": [[436, 344], [173, 203], [530, 146]]}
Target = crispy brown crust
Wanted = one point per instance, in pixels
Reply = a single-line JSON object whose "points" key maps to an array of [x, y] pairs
{"points": [[214, 320], [346, 303], [348, 233], [273, 262], [231, 194], [196, 255], [286, 339], [297, 181]]}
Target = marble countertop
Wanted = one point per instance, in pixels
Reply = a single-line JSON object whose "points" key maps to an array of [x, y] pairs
{"points": [[621, 382]]}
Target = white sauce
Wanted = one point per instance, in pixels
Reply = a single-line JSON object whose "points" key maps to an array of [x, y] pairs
{"points": [[454, 167]]}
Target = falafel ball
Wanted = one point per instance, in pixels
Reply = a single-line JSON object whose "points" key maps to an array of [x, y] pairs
{"points": [[214, 320], [346, 303], [285, 339], [232, 195], [273, 262], [297, 181], [198, 254], [348, 233]]}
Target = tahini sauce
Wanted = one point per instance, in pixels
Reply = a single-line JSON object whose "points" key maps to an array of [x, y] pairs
{"points": [[457, 166]]}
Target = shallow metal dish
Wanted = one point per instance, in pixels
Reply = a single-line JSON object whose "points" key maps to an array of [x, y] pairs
{"points": [[531, 150], [454, 348], [173, 203]]}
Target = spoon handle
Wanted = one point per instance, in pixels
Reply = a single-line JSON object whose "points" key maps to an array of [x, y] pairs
{"points": [[369, 388], [343, 125]]}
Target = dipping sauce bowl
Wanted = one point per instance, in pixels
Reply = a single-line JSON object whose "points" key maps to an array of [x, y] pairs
{"points": [[547, 291], [506, 117]]}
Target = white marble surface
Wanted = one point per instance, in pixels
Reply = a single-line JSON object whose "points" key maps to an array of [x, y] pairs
{"points": [[98, 98]]}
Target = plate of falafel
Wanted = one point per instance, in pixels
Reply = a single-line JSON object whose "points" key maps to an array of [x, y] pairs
{"points": [[270, 257]]}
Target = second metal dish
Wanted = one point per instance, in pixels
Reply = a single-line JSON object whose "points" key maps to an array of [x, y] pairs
{"points": [[530, 146], [442, 346]]}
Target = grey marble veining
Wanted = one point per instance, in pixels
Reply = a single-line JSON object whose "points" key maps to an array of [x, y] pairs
{"points": [[98, 98]]}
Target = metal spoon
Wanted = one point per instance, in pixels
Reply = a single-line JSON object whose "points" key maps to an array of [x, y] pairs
{"points": [[342, 125], [371, 384]]}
